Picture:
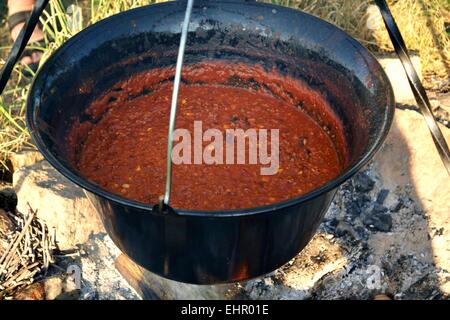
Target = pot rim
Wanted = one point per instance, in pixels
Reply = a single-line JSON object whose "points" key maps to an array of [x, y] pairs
{"points": [[147, 208]]}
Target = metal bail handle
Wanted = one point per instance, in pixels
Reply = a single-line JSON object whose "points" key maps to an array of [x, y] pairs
{"points": [[416, 85], [21, 42], [173, 109]]}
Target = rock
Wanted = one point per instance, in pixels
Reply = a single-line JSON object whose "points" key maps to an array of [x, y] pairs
{"points": [[53, 287], [58, 202], [362, 182], [353, 208], [397, 76], [333, 222], [438, 232], [25, 158], [8, 198], [57, 287], [344, 228], [378, 221], [60, 287], [362, 232], [6, 227], [35, 291], [441, 113], [374, 21], [378, 208], [382, 195], [441, 106]]}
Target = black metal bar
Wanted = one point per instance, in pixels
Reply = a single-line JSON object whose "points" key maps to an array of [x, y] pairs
{"points": [[21, 42], [416, 85]]}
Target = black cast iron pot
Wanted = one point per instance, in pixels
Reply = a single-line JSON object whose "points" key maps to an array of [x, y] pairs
{"points": [[211, 247]]}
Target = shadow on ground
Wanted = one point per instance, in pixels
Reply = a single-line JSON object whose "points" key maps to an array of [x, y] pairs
{"points": [[385, 233]]}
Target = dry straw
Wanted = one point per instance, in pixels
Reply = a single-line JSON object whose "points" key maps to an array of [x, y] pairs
{"points": [[29, 254]]}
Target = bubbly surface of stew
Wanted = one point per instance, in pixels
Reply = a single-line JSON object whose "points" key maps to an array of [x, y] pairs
{"points": [[122, 146]]}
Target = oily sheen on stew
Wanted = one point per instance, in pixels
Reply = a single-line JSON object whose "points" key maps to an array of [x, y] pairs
{"points": [[122, 146]]}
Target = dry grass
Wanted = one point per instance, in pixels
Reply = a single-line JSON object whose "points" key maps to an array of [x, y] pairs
{"points": [[422, 23], [13, 132], [104, 8], [423, 26], [348, 15], [29, 254]]}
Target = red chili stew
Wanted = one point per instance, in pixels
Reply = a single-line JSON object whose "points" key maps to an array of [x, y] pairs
{"points": [[123, 146]]}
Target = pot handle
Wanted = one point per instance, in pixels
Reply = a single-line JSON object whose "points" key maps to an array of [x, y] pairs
{"points": [[21, 42], [416, 85]]}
